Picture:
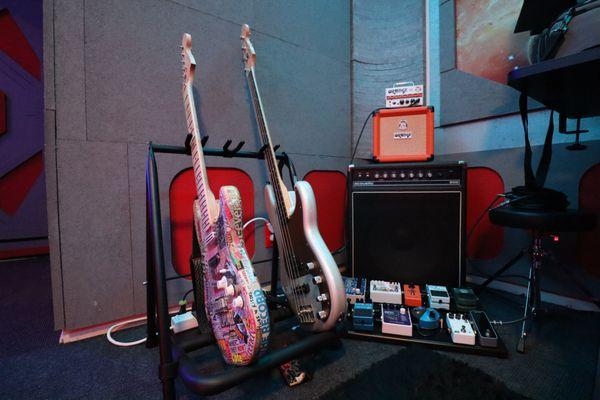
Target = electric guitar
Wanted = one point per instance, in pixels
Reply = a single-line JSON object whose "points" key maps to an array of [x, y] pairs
{"points": [[234, 301], [309, 275]]}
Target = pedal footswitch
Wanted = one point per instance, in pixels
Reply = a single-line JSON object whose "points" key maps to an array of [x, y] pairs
{"points": [[386, 292], [395, 320]]}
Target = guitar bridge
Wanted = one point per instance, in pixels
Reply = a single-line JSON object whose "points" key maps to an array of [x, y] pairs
{"points": [[306, 315]]}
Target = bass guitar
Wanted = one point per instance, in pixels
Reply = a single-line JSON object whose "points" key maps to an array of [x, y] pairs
{"points": [[234, 302], [309, 275]]}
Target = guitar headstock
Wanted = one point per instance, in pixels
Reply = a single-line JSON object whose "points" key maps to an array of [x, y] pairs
{"points": [[188, 63], [248, 53]]}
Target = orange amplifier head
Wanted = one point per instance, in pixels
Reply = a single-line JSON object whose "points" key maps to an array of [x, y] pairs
{"points": [[403, 134]]}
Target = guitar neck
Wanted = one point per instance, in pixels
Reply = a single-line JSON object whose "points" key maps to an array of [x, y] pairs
{"points": [[197, 154], [265, 137]]}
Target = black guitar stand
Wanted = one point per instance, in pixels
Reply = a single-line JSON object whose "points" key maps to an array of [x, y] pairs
{"points": [[175, 349]]}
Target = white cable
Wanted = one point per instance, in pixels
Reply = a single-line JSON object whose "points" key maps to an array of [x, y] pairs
{"points": [[119, 325], [259, 219]]}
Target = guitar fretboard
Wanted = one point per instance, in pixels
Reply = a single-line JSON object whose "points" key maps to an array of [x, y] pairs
{"points": [[197, 162], [265, 137]]}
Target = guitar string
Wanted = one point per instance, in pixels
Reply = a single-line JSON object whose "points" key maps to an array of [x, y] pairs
{"points": [[282, 220], [290, 260]]}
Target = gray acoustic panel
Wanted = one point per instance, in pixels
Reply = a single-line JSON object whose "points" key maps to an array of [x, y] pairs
{"points": [[48, 51], [314, 25], [306, 97], [447, 36], [388, 47], [94, 231], [53, 219], [140, 87], [468, 97], [238, 12], [69, 69]]}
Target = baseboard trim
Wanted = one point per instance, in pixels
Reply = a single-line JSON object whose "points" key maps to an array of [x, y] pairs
{"points": [[553, 298], [75, 335]]}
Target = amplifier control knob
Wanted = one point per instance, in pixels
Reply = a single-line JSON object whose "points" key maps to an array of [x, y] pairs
{"points": [[317, 280], [411, 175], [376, 175], [394, 175], [420, 175], [429, 175], [402, 175], [385, 175]]}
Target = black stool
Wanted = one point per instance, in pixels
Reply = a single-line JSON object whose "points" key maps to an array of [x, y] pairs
{"points": [[540, 223]]}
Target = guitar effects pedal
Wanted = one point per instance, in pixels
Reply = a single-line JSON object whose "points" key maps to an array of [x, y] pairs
{"points": [[460, 329], [438, 297], [395, 320], [412, 295], [386, 292], [355, 289], [362, 318]]}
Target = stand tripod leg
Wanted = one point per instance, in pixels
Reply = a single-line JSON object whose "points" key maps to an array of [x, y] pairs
{"points": [[533, 299], [506, 266]]}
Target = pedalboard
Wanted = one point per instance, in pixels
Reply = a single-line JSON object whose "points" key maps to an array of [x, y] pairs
{"points": [[460, 329], [395, 320], [385, 292], [387, 311], [356, 289], [439, 297], [412, 295]]}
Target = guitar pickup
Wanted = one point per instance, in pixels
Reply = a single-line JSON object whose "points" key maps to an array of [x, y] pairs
{"points": [[213, 262], [301, 289]]}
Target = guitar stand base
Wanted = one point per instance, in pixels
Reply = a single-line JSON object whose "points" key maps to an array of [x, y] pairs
{"points": [[194, 377]]}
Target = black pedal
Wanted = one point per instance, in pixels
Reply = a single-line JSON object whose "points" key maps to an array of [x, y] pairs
{"points": [[486, 334], [465, 299]]}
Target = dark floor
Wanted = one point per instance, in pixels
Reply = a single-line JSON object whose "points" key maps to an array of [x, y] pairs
{"points": [[561, 362]]}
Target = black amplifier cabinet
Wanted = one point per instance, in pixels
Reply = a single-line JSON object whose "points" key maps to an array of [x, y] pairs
{"points": [[407, 222]]}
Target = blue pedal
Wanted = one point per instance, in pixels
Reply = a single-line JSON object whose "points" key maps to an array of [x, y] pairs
{"points": [[355, 289], [362, 320]]}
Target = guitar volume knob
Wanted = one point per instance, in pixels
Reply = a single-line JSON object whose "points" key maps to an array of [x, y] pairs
{"points": [[238, 302], [310, 266], [317, 280], [230, 290], [322, 315], [322, 297], [222, 283]]}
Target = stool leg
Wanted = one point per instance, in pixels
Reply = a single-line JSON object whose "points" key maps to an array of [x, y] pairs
{"points": [[533, 299]]}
